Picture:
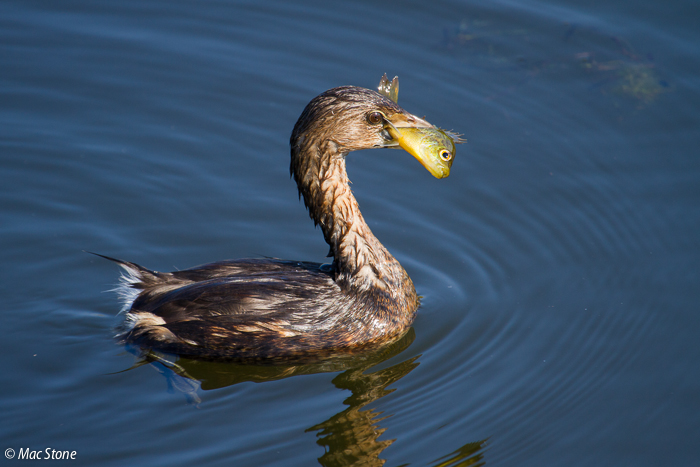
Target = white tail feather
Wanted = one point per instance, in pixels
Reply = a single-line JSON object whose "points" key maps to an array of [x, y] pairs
{"points": [[127, 290]]}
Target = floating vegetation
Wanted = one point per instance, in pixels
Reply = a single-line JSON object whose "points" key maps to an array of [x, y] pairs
{"points": [[638, 80], [560, 51]]}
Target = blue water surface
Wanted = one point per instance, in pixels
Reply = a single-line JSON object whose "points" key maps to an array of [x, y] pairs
{"points": [[558, 264]]}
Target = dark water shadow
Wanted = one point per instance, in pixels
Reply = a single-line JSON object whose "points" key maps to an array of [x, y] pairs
{"points": [[218, 374], [350, 437]]}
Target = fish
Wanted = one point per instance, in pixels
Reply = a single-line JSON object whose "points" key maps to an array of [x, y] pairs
{"points": [[433, 147], [389, 89]]}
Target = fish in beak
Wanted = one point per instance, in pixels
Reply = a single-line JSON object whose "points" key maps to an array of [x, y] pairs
{"points": [[433, 147]]}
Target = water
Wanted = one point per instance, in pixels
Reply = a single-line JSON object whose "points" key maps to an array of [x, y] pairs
{"points": [[558, 263]]}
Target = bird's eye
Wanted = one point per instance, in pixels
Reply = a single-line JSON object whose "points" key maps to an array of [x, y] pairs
{"points": [[375, 117], [445, 155]]}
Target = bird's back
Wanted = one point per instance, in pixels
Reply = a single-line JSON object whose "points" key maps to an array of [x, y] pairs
{"points": [[251, 308]]}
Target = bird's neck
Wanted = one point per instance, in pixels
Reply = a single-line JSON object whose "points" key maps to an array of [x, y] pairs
{"points": [[360, 260]]}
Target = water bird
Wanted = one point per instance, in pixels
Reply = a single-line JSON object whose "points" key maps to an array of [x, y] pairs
{"points": [[270, 309]]}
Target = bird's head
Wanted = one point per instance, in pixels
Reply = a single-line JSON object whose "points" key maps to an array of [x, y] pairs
{"points": [[350, 118]]}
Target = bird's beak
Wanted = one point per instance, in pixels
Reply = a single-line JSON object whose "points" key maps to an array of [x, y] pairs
{"points": [[392, 134]]}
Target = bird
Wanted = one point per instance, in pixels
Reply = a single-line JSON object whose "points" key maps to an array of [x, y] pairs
{"points": [[265, 309]]}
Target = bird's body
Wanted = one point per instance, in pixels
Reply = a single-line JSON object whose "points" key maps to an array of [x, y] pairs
{"points": [[268, 309], [257, 309]]}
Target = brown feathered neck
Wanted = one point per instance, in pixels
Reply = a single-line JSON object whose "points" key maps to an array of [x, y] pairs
{"points": [[332, 125]]}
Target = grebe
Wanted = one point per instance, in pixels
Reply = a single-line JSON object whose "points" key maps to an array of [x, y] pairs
{"points": [[267, 309]]}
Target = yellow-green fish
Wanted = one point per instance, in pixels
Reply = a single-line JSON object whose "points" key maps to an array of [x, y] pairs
{"points": [[433, 147], [389, 89]]}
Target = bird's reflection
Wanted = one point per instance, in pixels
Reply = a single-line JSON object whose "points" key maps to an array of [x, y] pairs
{"points": [[350, 437], [214, 375]]}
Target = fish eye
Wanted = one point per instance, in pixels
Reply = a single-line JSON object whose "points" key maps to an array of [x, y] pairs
{"points": [[445, 155], [375, 117]]}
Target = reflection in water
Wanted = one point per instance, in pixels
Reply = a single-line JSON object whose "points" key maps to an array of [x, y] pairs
{"points": [[469, 454], [216, 374], [349, 437]]}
